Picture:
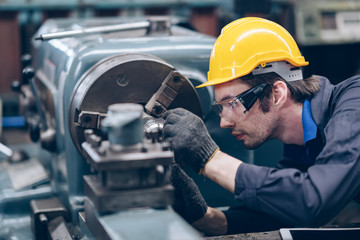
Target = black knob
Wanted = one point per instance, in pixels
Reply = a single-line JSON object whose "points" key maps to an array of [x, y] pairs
{"points": [[27, 74]]}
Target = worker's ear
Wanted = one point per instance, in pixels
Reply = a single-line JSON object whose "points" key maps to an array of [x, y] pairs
{"points": [[279, 93]]}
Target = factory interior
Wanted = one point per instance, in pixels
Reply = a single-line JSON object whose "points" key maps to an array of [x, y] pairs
{"points": [[63, 63]]}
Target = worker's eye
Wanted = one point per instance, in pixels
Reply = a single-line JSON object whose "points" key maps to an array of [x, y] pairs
{"points": [[234, 103], [229, 105]]}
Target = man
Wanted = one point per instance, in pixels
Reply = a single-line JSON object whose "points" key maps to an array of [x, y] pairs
{"points": [[255, 69]]}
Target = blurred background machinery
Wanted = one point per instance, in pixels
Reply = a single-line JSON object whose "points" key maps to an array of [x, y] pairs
{"points": [[62, 93], [327, 31], [19, 20]]}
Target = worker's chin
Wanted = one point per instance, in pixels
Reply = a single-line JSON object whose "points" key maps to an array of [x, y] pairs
{"points": [[251, 145]]}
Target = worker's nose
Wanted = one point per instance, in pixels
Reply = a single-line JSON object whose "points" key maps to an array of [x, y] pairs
{"points": [[224, 123]]}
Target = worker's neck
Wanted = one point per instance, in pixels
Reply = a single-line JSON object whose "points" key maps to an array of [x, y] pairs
{"points": [[291, 124]]}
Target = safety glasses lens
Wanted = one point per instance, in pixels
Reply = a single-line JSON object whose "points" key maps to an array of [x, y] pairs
{"points": [[241, 103]]}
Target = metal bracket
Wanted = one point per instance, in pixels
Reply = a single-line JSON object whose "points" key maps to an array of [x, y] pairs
{"points": [[48, 216], [165, 95], [88, 119]]}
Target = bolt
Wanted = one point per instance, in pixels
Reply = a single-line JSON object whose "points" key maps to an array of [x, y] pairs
{"points": [[158, 109], [87, 119], [28, 73], [176, 79]]}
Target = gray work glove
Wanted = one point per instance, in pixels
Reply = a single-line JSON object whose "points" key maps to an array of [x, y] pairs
{"points": [[189, 202], [189, 138]]}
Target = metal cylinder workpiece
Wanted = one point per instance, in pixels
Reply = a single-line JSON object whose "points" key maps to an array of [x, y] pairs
{"points": [[124, 124]]}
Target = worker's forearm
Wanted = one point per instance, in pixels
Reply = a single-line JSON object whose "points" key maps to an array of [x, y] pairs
{"points": [[222, 169], [213, 223]]}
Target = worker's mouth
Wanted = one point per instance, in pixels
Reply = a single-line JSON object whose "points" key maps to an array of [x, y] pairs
{"points": [[238, 136]]}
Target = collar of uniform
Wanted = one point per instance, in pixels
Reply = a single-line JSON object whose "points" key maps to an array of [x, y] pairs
{"points": [[309, 126]]}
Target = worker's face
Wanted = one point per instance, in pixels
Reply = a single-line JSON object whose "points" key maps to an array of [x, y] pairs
{"points": [[253, 127]]}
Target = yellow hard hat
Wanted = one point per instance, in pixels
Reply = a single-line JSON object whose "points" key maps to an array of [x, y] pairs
{"points": [[247, 43]]}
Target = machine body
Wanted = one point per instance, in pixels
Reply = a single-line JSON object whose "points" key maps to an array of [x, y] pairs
{"points": [[106, 175]]}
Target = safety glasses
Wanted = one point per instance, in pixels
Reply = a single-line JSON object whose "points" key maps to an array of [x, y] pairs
{"points": [[242, 103]]}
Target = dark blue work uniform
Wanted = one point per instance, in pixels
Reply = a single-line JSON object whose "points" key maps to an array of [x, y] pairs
{"points": [[315, 181]]}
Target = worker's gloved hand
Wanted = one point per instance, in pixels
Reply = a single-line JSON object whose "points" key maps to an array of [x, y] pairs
{"points": [[189, 138], [189, 202]]}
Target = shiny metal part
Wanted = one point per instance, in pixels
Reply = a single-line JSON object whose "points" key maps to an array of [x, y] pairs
{"points": [[154, 26], [153, 128], [94, 30], [6, 150]]}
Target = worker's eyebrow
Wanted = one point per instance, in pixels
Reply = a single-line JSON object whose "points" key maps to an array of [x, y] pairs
{"points": [[226, 97]]}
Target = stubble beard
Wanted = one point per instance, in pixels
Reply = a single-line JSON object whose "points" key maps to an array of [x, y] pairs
{"points": [[259, 135]]}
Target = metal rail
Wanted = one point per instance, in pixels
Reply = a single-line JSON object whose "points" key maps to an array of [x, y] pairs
{"points": [[94, 30]]}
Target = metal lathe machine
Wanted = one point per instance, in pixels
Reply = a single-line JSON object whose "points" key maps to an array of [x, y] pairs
{"points": [[92, 98]]}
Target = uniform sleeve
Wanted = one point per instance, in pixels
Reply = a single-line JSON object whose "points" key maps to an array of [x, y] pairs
{"points": [[314, 197]]}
